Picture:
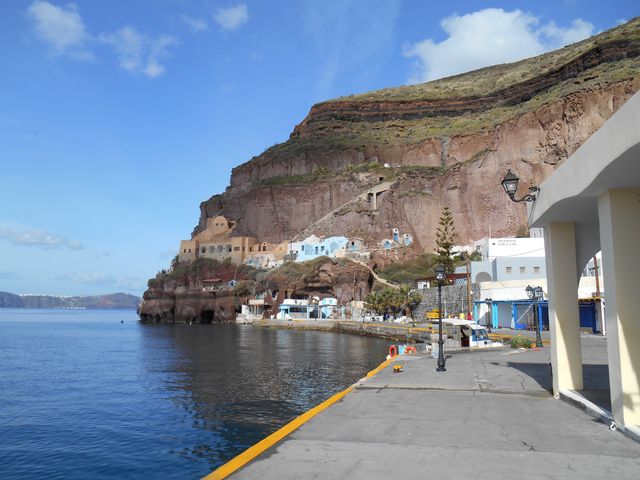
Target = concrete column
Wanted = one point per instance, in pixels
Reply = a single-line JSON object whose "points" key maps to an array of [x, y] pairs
{"points": [[619, 214], [564, 315]]}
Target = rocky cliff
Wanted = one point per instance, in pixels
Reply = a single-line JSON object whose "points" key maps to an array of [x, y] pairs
{"points": [[178, 295], [447, 141]]}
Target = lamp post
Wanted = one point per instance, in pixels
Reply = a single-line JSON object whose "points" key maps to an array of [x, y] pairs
{"points": [[510, 185], [536, 294], [440, 277], [489, 302]]}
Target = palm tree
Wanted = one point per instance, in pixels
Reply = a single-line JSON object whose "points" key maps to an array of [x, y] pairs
{"points": [[374, 302], [409, 298]]}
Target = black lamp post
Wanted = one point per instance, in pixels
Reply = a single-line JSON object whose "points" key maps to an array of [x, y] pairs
{"points": [[510, 185], [489, 302], [440, 277], [536, 294]]}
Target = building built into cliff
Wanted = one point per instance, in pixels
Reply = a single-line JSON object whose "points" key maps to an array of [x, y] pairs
{"points": [[216, 242]]}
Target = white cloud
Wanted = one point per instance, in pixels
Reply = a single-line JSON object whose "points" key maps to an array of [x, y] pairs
{"points": [[61, 28], [169, 253], [137, 52], [131, 283], [232, 18], [349, 39], [103, 279], [196, 25], [39, 238], [488, 37], [98, 278], [557, 37]]}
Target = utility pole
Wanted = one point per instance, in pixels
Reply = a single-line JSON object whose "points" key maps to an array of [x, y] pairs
{"points": [[466, 256]]}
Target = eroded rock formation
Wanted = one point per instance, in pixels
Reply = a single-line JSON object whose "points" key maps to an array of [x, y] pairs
{"points": [[444, 142]]}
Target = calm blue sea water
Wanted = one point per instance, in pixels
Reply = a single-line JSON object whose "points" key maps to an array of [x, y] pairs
{"points": [[84, 396]]}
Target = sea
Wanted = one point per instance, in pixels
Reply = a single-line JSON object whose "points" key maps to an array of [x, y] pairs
{"points": [[95, 394]]}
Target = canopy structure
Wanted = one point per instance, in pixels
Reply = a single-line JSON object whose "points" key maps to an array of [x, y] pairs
{"points": [[592, 203]]}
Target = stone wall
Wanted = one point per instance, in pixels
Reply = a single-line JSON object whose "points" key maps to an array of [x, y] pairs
{"points": [[454, 300]]}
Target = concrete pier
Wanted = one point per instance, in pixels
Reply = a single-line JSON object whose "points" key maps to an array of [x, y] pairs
{"points": [[490, 415]]}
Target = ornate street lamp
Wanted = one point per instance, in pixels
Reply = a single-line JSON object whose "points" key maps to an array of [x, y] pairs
{"points": [[441, 275], [536, 294], [489, 302], [510, 185]]}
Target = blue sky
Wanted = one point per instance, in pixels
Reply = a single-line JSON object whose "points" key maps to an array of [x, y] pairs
{"points": [[117, 118]]}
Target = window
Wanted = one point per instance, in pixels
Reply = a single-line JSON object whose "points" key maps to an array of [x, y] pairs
{"points": [[203, 250], [508, 269], [185, 251], [316, 249], [536, 269], [302, 248], [523, 269], [236, 249], [322, 248]]}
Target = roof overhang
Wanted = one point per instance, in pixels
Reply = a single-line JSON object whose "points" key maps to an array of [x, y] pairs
{"points": [[609, 159]]}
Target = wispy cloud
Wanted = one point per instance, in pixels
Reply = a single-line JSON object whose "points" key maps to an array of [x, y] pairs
{"points": [[103, 279], [39, 238], [137, 52], [103, 254], [167, 254], [232, 18], [489, 37], [61, 28], [196, 25], [349, 38], [8, 275], [64, 31], [97, 278], [131, 283]]}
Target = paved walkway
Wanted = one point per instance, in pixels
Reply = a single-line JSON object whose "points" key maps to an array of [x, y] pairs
{"points": [[489, 416]]}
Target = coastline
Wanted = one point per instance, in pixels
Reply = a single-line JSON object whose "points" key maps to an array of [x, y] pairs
{"points": [[388, 331], [259, 448]]}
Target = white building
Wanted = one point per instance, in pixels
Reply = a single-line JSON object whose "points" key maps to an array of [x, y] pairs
{"points": [[505, 259]]}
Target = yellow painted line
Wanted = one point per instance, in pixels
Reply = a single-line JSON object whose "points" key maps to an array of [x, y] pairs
{"points": [[252, 452], [380, 367]]}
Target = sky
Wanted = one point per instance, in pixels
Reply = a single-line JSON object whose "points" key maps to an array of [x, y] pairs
{"points": [[117, 118]]}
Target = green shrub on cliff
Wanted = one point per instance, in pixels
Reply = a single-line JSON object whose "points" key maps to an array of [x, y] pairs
{"points": [[410, 271]]}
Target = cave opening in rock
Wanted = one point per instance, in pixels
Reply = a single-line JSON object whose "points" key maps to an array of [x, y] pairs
{"points": [[207, 316]]}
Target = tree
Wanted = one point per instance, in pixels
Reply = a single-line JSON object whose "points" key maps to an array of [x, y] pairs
{"points": [[374, 302], [445, 239], [409, 299]]}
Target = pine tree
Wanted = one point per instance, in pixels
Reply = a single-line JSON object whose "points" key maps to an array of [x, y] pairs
{"points": [[445, 240]]}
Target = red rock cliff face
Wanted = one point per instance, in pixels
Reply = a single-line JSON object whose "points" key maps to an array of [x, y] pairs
{"points": [[441, 149], [531, 144]]}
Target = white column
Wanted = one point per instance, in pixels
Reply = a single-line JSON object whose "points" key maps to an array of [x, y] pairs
{"points": [[564, 316], [619, 214]]}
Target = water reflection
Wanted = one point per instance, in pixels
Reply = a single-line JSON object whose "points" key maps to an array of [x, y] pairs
{"points": [[236, 384]]}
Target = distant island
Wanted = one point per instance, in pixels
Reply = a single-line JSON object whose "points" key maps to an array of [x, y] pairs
{"points": [[109, 301]]}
